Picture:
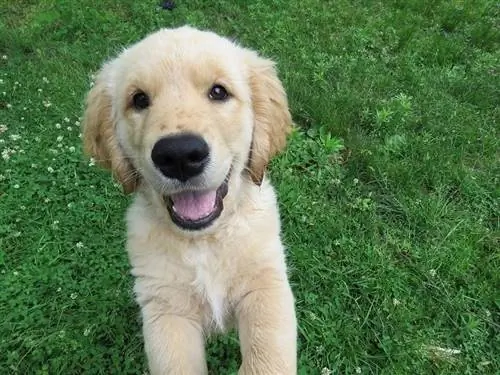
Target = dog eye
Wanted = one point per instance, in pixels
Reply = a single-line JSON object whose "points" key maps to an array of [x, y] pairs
{"points": [[140, 100], [218, 92]]}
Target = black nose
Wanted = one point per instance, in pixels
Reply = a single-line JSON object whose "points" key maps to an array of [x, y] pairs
{"points": [[180, 156]]}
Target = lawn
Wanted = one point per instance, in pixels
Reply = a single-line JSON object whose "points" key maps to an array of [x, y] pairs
{"points": [[389, 189]]}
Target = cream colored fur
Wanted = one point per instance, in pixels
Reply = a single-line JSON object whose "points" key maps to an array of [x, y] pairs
{"points": [[191, 283]]}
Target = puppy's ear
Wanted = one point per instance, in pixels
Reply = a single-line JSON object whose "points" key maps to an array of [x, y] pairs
{"points": [[272, 119], [99, 134]]}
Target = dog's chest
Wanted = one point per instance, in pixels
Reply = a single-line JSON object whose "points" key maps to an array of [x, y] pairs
{"points": [[210, 280]]}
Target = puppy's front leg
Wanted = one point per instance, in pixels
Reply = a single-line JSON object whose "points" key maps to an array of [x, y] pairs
{"points": [[267, 330], [174, 344]]}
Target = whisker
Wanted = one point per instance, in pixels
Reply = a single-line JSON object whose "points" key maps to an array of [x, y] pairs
{"points": [[115, 158]]}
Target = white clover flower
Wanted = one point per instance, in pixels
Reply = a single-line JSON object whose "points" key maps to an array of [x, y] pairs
{"points": [[358, 370], [312, 315], [33, 165], [15, 137], [59, 138], [69, 128], [326, 371], [432, 272], [6, 153], [4, 57], [47, 103], [66, 119], [1, 81], [396, 302], [3, 128], [17, 234], [39, 90], [58, 126], [15, 273], [46, 200], [79, 245], [16, 186], [8, 105], [72, 149], [91, 162], [87, 331], [73, 296], [50, 169], [45, 80], [77, 123]]}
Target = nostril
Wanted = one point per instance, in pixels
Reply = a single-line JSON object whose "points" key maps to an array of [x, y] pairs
{"points": [[197, 156], [160, 155], [167, 160]]}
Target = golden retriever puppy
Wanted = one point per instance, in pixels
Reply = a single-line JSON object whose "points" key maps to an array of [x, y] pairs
{"points": [[189, 120]]}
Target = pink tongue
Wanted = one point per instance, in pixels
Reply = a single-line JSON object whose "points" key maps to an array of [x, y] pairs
{"points": [[194, 205]]}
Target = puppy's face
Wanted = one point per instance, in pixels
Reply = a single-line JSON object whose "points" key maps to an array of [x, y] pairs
{"points": [[189, 114]]}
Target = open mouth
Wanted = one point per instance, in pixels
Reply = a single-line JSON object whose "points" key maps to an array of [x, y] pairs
{"points": [[193, 209]]}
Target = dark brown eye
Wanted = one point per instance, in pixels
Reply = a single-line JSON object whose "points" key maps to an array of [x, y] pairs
{"points": [[218, 92], [140, 100]]}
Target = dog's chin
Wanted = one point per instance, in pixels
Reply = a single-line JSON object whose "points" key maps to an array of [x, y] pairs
{"points": [[196, 209]]}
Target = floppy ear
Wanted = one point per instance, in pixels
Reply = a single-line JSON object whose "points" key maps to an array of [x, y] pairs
{"points": [[99, 135], [272, 119]]}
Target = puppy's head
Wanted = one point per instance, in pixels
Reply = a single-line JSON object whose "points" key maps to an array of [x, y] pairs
{"points": [[188, 114]]}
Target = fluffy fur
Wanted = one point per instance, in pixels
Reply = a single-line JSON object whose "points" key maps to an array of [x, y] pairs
{"points": [[190, 283]]}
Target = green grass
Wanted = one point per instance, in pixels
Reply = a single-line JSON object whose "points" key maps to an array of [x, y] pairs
{"points": [[394, 240]]}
